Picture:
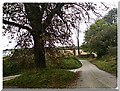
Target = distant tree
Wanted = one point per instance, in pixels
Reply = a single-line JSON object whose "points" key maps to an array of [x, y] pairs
{"points": [[102, 35], [43, 24], [111, 17], [78, 44]]}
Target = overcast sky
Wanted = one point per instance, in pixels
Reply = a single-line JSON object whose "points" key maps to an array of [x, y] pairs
{"points": [[83, 27]]}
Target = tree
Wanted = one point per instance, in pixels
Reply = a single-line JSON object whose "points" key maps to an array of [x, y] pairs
{"points": [[102, 35], [45, 24], [78, 45], [111, 17]]}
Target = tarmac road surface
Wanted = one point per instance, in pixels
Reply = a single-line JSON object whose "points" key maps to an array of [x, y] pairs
{"points": [[92, 77]]}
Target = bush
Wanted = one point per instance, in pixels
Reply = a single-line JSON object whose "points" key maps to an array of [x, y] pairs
{"points": [[9, 68], [20, 61]]}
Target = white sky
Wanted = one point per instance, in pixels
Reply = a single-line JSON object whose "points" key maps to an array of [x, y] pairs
{"points": [[7, 45]]}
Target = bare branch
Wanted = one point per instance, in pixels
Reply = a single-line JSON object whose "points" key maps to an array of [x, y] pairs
{"points": [[105, 5], [51, 14], [16, 24], [59, 13]]}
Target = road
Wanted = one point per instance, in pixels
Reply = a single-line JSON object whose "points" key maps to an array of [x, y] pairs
{"points": [[92, 77]]}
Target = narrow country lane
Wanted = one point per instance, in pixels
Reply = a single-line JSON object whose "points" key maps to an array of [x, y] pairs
{"points": [[92, 77]]}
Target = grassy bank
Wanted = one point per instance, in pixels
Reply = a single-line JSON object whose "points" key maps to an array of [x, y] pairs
{"points": [[70, 63], [46, 78], [107, 64], [12, 67], [56, 75]]}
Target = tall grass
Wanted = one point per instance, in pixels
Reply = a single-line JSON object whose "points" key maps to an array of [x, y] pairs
{"points": [[107, 63]]}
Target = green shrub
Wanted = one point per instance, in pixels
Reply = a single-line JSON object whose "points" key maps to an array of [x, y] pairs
{"points": [[20, 61], [9, 68]]}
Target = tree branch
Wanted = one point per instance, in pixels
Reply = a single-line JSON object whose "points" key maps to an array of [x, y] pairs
{"points": [[60, 15], [16, 24], [50, 16]]}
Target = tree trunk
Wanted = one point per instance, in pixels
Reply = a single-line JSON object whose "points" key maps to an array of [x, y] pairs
{"points": [[39, 51], [35, 17], [78, 42]]}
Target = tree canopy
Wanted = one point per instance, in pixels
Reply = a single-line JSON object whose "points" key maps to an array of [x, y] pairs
{"points": [[102, 35]]}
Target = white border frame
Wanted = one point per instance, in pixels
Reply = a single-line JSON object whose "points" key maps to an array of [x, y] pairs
{"points": [[81, 89]]}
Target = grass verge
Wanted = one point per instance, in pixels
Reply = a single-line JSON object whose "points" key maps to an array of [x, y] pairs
{"points": [[45, 78], [13, 67], [109, 66], [70, 63]]}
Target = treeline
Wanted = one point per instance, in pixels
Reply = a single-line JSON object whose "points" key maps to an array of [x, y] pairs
{"points": [[101, 37]]}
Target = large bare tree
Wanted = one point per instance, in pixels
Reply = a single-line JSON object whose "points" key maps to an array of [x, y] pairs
{"points": [[44, 24]]}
